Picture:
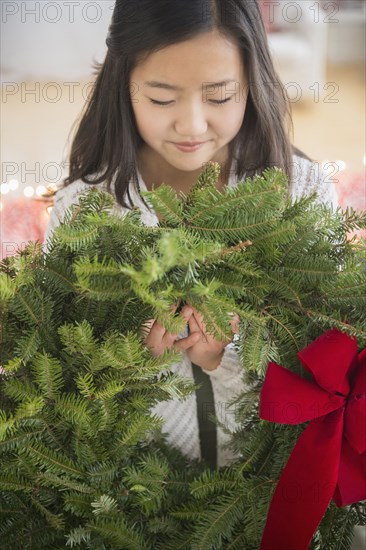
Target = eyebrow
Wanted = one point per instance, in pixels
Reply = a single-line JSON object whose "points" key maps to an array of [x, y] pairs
{"points": [[164, 86]]}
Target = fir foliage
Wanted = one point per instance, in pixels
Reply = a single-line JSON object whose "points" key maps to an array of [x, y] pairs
{"points": [[83, 460]]}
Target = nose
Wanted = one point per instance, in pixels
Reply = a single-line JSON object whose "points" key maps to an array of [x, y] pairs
{"points": [[191, 121]]}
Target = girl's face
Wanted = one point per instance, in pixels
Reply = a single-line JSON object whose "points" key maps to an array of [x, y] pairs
{"points": [[196, 108]]}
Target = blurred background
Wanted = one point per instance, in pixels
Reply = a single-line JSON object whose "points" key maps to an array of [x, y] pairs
{"points": [[47, 53]]}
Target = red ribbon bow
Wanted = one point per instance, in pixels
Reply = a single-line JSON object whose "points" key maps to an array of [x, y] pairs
{"points": [[329, 459]]}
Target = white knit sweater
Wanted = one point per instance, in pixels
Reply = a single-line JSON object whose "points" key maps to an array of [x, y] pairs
{"points": [[180, 417]]}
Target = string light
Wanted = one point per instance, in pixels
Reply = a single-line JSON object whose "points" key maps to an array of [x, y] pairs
{"points": [[28, 191], [13, 185], [330, 165], [4, 188], [341, 165], [41, 190]]}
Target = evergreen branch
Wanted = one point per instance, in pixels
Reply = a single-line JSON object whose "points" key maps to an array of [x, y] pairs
{"points": [[74, 409], [29, 408], [48, 479], [283, 233], [78, 337], [46, 458], [10, 483], [212, 483], [237, 542], [7, 288], [285, 287], [252, 193], [7, 424], [76, 238], [123, 351], [165, 202], [55, 521], [118, 533], [102, 472], [104, 505], [27, 306], [48, 375], [110, 390], [59, 279], [78, 536], [27, 346], [294, 338], [20, 390], [235, 231], [333, 322], [135, 430], [219, 521], [18, 439]]}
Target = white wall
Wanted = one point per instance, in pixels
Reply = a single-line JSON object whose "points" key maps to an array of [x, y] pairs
{"points": [[52, 40], [346, 39]]}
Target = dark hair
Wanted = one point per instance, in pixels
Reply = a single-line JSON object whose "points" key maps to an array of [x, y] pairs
{"points": [[107, 140]]}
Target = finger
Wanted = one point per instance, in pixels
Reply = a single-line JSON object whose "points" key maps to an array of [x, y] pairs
{"points": [[156, 332], [146, 327], [169, 338], [199, 319], [186, 312], [234, 322], [158, 335], [194, 327], [173, 308], [185, 343]]}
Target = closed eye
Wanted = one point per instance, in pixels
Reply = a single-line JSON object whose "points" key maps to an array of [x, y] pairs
{"points": [[215, 101]]}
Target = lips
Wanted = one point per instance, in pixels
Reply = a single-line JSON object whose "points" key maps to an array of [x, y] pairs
{"points": [[188, 148], [188, 143]]}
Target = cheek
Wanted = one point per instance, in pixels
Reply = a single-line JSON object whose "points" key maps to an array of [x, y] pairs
{"points": [[233, 119], [148, 122]]}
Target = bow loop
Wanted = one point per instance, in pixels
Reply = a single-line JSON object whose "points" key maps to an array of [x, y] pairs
{"points": [[329, 358], [355, 424], [287, 398], [331, 452]]}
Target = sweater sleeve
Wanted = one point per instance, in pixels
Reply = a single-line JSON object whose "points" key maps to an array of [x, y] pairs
{"points": [[308, 177], [229, 368], [65, 198]]}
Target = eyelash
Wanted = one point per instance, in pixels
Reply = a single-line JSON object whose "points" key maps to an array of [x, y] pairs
{"points": [[166, 103]]}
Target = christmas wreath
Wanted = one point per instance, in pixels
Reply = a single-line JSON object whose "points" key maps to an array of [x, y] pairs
{"points": [[83, 461]]}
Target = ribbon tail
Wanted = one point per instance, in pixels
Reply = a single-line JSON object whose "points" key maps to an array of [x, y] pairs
{"points": [[306, 486], [351, 485]]}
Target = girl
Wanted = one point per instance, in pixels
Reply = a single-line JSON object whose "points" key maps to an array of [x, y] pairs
{"points": [[184, 83]]}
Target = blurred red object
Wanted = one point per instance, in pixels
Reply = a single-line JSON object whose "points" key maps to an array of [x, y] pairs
{"points": [[351, 189], [22, 220]]}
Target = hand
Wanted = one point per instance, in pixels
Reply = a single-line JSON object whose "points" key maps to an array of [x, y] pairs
{"points": [[202, 348], [206, 351], [157, 339]]}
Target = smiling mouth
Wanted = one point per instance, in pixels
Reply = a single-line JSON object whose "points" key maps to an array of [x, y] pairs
{"points": [[188, 144]]}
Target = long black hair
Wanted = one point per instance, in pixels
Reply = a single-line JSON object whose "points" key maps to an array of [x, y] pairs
{"points": [[106, 143]]}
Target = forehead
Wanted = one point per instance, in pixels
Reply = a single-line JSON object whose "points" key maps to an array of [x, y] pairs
{"points": [[204, 60]]}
